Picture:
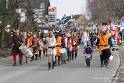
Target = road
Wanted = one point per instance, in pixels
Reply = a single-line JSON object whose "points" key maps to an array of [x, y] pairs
{"points": [[72, 72]]}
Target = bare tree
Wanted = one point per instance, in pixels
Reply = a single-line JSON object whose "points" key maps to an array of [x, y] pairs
{"points": [[8, 15], [106, 8]]}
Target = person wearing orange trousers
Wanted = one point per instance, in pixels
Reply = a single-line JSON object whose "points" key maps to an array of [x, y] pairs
{"points": [[58, 48], [102, 43]]}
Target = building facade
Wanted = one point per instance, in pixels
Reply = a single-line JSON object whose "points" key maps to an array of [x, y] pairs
{"points": [[41, 6]]}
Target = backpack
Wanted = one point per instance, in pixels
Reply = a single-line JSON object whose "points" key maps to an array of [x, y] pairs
{"points": [[88, 50]]}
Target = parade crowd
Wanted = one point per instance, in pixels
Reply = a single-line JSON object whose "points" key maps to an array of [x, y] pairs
{"points": [[63, 47]]}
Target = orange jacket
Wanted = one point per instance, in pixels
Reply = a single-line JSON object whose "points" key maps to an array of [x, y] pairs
{"points": [[103, 42], [30, 41], [58, 47], [59, 41]]}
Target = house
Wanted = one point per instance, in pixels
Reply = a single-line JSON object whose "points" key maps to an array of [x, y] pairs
{"points": [[41, 6], [78, 19]]}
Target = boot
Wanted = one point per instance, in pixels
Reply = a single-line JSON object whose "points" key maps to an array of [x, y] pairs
{"points": [[106, 63], [32, 58], [64, 61], [14, 64], [36, 57], [58, 60], [26, 59], [88, 62], [102, 64], [20, 62], [39, 56], [49, 65], [53, 64]]}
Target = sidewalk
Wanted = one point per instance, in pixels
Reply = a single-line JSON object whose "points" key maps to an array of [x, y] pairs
{"points": [[5, 53], [119, 77]]}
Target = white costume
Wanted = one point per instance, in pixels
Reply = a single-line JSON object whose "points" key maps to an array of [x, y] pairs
{"points": [[85, 38], [51, 43]]}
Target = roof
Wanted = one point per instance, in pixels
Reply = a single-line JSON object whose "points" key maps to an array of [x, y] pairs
{"points": [[76, 17]]}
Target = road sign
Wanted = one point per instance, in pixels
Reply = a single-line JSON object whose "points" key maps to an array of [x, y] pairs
{"points": [[52, 15]]}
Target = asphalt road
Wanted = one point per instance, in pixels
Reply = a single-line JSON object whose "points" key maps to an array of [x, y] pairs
{"points": [[73, 72]]}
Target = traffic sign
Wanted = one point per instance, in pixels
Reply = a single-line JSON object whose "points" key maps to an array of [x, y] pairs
{"points": [[52, 15]]}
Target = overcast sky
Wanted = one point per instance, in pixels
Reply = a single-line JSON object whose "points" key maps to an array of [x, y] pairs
{"points": [[69, 7]]}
